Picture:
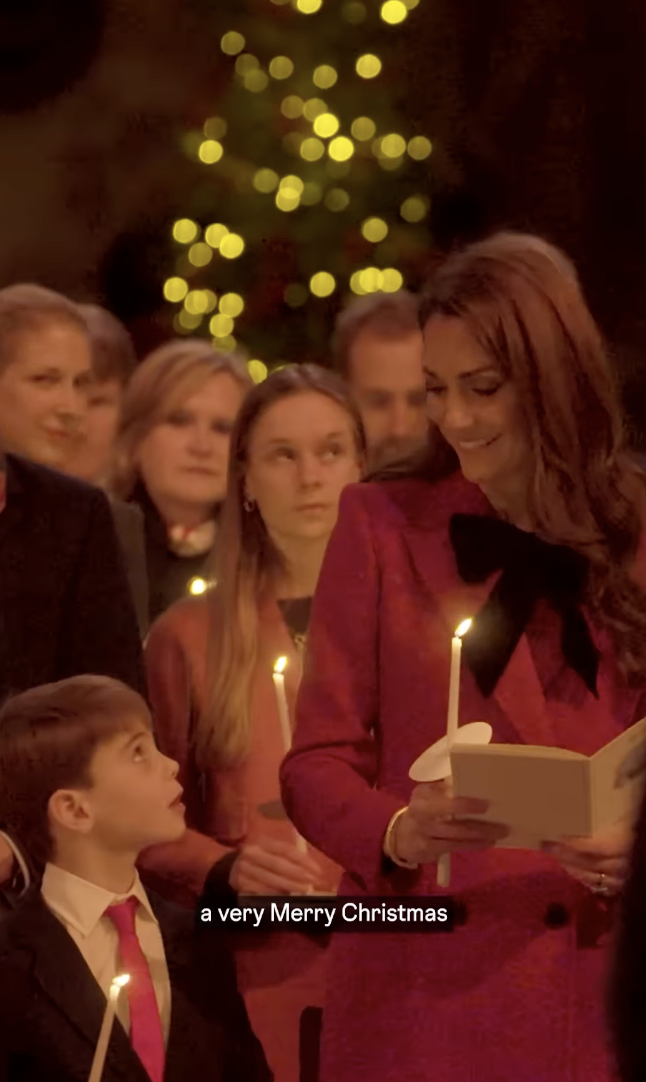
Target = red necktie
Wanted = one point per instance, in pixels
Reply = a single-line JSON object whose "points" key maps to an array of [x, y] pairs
{"points": [[146, 1034]]}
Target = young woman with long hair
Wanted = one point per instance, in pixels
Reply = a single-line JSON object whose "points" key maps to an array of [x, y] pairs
{"points": [[528, 516], [172, 456], [297, 443]]}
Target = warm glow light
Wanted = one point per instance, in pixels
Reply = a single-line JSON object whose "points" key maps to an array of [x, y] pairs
{"points": [[120, 981], [393, 146], [337, 199], [324, 76], [341, 148], [197, 586], [231, 304], [211, 151], [414, 209], [292, 183], [391, 280], [215, 128], [394, 11], [363, 128], [246, 64], [257, 370], [287, 199], [200, 254], [265, 180], [355, 284], [175, 289], [326, 125], [463, 628], [221, 326], [292, 107], [368, 66], [370, 279], [374, 230], [419, 148], [185, 231], [312, 149], [232, 43], [308, 7], [211, 299], [281, 67], [280, 665], [188, 321], [231, 246], [313, 108], [196, 302], [322, 284], [256, 81], [215, 234]]}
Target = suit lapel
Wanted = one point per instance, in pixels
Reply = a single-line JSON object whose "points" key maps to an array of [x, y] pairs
{"points": [[66, 980], [519, 693]]}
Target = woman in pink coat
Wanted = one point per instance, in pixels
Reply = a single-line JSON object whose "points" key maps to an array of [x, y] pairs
{"points": [[538, 535]]}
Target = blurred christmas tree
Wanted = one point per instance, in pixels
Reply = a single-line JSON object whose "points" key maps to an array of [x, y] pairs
{"points": [[312, 185]]}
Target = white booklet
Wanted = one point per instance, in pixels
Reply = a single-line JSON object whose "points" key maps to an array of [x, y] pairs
{"points": [[543, 793]]}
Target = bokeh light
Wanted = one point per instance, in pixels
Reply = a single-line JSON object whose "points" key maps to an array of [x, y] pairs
{"points": [[196, 302], [256, 81], [257, 370], [312, 149], [231, 304], [265, 180], [368, 66], [363, 128], [221, 325], [292, 107], [393, 146], [414, 209], [211, 151], [337, 199], [391, 280], [215, 128], [232, 43], [185, 231], [215, 234], [326, 125], [231, 246], [325, 76], [308, 7], [394, 11], [200, 254], [374, 230], [419, 148], [341, 148], [175, 289], [281, 67], [322, 284], [313, 108]]}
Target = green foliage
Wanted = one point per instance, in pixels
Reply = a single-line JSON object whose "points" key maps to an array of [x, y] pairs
{"points": [[325, 202]]}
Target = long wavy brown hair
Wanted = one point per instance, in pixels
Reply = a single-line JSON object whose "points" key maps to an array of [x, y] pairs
{"points": [[245, 565], [521, 300]]}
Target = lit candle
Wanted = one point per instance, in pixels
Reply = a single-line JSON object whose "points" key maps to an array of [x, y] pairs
{"points": [[98, 1063], [285, 727], [444, 863]]}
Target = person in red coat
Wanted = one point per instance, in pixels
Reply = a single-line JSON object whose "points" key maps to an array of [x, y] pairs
{"points": [[527, 516]]}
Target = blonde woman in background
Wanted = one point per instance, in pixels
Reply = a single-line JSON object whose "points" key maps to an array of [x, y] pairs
{"points": [[297, 443], [172, 457]]}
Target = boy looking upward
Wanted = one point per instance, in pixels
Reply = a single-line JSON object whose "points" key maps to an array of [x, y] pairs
{"points": [[84, 789]]}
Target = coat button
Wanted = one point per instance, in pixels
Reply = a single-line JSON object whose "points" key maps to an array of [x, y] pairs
{"points": [[556, 915], [460, 914]]}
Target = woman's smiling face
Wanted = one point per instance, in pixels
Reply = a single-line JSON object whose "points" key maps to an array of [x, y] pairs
{"points": [[474, 405]]}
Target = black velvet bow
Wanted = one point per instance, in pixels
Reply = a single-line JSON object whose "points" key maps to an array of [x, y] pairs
{"points": [[532, 569]]}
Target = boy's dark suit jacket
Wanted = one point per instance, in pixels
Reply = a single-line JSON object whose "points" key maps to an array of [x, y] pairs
{"points": [[51, 1007], [65, 603]]}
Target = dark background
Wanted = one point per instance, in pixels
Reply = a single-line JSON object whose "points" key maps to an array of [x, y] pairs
{"points": [[537, 108]]}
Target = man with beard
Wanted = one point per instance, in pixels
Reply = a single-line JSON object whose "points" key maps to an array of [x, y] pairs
{"points": [[377, 348]]}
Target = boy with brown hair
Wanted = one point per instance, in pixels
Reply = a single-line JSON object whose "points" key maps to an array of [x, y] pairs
{"points": [[85, 789]]}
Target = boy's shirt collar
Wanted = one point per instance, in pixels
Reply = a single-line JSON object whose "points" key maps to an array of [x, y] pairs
{"points": [[81, 904]]}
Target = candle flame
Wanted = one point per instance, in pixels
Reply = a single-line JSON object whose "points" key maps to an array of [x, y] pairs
{"points": [[280, 665], [120, 981], [463, 628]]}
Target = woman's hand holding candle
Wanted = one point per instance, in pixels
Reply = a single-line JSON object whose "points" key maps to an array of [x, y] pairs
{"points": [[429, 828], [269, 866]]}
